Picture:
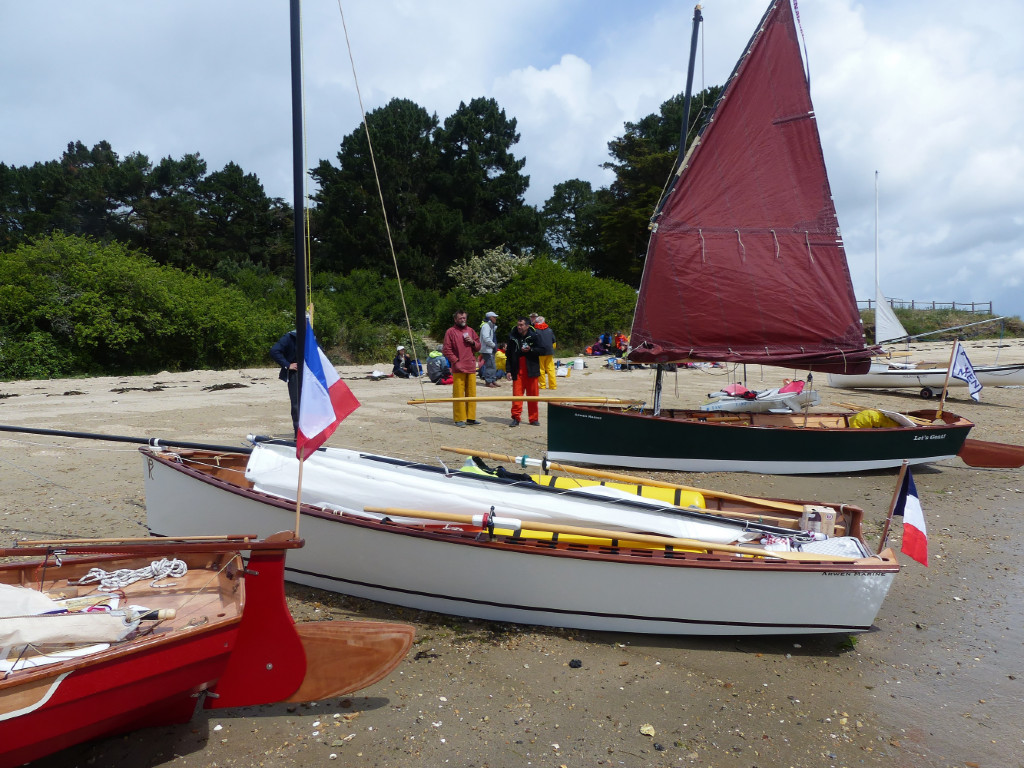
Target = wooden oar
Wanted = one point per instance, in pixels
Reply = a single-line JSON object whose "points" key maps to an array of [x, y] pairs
{"points": [[982, 453], [630, 479], [523, 399], [601, 533]]}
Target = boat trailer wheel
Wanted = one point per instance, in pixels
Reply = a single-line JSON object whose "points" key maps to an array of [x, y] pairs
{"points": [[927, 393]]}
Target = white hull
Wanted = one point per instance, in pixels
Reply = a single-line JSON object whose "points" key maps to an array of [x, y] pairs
{"points": [[530, 583], [895, 377]]}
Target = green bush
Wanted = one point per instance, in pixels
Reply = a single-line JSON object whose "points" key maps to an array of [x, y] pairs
{"points": [[34, 356], [362, 341], [81, 307]]}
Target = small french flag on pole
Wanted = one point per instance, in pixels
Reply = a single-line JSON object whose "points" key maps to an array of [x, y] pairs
{"points": [[915, 534], [324, 401]]}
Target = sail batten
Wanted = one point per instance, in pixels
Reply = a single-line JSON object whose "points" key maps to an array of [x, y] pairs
{"points": [[746, 260]]}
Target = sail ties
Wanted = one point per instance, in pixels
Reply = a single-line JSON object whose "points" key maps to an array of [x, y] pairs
{"points": [[807, 242], [776, 239], [743, 250], [703, 251]]}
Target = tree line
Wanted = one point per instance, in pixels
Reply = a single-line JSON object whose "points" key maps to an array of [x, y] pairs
{"points": [[452, 189]]}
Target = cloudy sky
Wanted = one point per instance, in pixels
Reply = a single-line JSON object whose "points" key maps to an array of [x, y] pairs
{"points": [[931, 95]]}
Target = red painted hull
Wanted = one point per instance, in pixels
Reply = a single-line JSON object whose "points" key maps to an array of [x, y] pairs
{"points": [[148, 687], [230, 634]]}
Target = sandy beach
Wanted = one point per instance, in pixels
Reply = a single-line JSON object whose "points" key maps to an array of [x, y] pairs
{"points": [[939, 682]]}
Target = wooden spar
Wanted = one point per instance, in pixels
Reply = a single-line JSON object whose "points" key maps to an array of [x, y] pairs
{"points": [[601, 533], [147, 547], [783, 505], [230, 539], [945, 384], [523, 399], [892, 505]]}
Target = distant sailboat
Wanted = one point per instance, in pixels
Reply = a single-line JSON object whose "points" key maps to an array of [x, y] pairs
{"points": [[929, 377], [887, 326]]}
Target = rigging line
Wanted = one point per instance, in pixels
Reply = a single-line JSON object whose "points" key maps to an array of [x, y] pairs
{"points": [[387, 224]]}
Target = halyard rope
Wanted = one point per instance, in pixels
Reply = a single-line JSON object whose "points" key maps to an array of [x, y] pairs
{"points": [[111, 581]]}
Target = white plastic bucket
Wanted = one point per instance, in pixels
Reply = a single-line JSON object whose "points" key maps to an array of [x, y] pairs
{"points": [[578, 364]]}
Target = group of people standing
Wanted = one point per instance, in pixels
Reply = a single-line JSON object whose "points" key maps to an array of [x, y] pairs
{"points": [[529, 360], [529, 357]]}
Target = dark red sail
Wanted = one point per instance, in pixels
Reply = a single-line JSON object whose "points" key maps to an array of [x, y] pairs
{"points": [[746, 262]]}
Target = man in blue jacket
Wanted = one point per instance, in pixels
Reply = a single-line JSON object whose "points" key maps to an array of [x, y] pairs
{"points": [[285, 353]]}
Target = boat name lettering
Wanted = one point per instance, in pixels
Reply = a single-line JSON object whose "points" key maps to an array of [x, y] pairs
{"points": [[586, 416], [842, 573], [930, 437]]}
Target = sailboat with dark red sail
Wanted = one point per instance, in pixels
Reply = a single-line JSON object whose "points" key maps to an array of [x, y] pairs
{"points": [[746, 265]]}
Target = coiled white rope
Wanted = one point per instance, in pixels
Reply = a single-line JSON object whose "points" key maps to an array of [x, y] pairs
{"points": [[111, 581]]}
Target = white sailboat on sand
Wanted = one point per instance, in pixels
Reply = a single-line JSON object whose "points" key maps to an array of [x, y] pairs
{"points": [[568, 552]]}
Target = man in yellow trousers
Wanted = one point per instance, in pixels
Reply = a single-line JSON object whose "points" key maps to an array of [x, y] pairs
{"points": [[461, 344], [546, 336]]}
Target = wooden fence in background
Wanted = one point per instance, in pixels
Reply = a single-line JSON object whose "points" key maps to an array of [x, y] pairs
{"points": [[975, 307]]}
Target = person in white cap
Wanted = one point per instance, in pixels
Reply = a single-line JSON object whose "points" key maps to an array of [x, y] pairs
{"points": [[402, 365], [488, 346]]}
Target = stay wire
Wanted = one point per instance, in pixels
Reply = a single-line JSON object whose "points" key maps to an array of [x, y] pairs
{"points": [[387, 229]]}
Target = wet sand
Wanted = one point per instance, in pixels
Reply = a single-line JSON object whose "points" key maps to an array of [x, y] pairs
{"points": [[939, 682]]}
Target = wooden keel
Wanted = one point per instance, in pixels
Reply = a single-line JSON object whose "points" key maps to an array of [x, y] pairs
{"points": [[982, 453], [343, 657]]}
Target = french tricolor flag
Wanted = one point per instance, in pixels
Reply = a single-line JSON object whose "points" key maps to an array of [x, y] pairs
{"points": [[915, 534], [324, 401]]}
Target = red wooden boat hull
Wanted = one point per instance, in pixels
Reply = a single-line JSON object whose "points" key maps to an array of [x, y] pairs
{"points": [[153, 686], [256, 655]]}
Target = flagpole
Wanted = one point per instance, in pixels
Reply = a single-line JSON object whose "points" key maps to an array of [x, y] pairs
{"points": [[298, 497], [945, 384], [892, 505]]}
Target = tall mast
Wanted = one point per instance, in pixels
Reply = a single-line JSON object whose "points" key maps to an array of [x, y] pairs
{"points": [[298, 173], [685, 128], [683, 131], [878, 288]]}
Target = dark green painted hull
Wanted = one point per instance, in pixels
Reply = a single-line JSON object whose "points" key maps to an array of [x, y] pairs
{"points": [[672, 441]]}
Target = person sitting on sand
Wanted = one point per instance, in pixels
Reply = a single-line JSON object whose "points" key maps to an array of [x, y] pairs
{"points": [[403, 365]]}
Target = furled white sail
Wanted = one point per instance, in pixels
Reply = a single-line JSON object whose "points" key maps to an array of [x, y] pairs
{"points": [[887, 325]]}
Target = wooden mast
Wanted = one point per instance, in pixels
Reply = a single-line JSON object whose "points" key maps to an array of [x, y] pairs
{"points": [[683, 131]]}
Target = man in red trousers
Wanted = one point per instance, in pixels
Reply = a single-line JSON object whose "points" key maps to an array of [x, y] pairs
{"points": [[522, 366]]}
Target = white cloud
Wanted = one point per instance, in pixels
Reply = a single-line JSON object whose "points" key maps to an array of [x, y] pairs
{"points": [[932, 99]]}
